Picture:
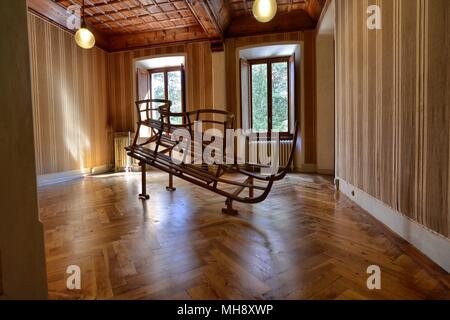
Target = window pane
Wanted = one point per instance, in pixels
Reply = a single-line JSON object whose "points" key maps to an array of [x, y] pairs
{"points": [[158, 85], [157, 89], [259, 98], [280, 97], [174, 83]]}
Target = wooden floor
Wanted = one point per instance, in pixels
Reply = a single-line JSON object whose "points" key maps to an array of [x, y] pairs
{"points": [[304, 242]]}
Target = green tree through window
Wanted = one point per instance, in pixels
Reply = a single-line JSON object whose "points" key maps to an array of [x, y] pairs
{"points": [[174, 92], [158, 85], [280, 97], [172, 78], [259, 98], [158, 92], [270, 109]]}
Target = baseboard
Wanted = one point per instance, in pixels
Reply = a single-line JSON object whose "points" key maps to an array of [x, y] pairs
{"points": [[326, 172], [102, 169], [312, 168], [59, 177], [306, 168], [430, 243]]}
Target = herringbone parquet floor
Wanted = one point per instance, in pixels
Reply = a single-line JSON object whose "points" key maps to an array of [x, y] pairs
{"points": [[304, 242]]}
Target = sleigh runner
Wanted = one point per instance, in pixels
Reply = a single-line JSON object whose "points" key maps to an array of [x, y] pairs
{"points": [[156, 151]]}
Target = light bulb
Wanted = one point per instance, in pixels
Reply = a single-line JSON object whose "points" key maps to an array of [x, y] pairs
{"points": [[264, 10], [84, 38]]}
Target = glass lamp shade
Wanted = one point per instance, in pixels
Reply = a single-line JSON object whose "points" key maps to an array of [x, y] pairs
{"points": [[264, 10], [84, 38]]}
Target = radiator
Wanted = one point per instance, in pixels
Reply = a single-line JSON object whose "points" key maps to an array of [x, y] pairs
{"points": [[121, 160], [264, 157]]}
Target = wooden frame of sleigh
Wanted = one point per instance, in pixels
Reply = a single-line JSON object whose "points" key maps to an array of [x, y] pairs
{"points": [[156, 151]]}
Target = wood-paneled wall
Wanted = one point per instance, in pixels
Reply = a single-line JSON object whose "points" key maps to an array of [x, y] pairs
{"points": [[70, 101], [393, 105], [199, 91], [309, 121]]}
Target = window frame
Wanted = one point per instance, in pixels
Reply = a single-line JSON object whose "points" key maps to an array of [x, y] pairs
{"points": [[165, 71], [269, 62]]}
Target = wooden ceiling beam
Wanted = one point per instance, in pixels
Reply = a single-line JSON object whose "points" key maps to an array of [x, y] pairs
{"points": [[143, 8], [314, 8], [55, 13], [145, 39], [290, 5], [91, 5], [245, 6], [204, 16], [221, 12], [116, 20], [74, 3], [283, 22], [101, 11], [124, 18], [136, 16], [50, 11]]}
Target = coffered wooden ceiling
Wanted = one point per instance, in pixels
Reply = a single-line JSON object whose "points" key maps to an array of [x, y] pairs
{"points": [[125, 24]]}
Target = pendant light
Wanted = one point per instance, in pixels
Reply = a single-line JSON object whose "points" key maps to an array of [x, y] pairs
{"points": [[84, 37], [264, 10]]}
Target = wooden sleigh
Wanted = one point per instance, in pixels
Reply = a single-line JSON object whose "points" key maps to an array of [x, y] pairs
{"points": [[156, 151]]}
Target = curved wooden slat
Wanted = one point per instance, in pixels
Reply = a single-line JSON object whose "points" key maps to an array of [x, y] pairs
{"points": [[164, 145]]}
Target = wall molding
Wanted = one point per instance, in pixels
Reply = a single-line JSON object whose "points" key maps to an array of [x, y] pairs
{"points": [[306, 168], [326, 172], [60, 177], [102, 169], [433, 245]]}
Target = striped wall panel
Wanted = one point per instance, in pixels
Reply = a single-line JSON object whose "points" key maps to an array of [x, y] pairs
{"points": [[199, 91], [393, 105], [70, 101]]}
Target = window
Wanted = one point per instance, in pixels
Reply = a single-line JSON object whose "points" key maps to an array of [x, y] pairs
{"points": [[269, 95], [168, 84]]}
